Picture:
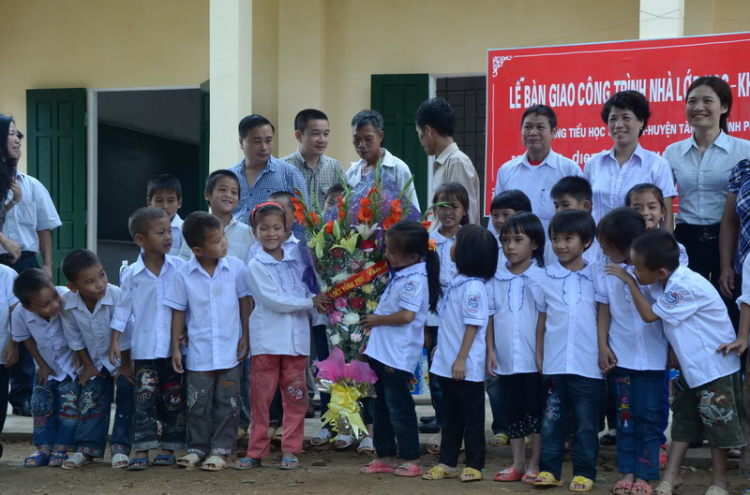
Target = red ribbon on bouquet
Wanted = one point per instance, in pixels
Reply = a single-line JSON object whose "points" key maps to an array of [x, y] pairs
{"points": [[359, 279]]}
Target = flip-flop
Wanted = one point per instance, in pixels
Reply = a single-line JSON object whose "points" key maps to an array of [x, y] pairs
{"points": [[663, 458], [624, 485], [77, 460], [366, 446], [498, 440], [37, 459], [665, 488], [529, 477], [586, 483], [57, 458], [289, 463], [119, 461], [438, 473], [376, 467], [642, 488], [716, 490], [547, 479], [138, 464], [163, 460], [408, 470], [347, 439], [189, 460], [470, 474], [433, 445], [246, 463], [322, 437], [214, 463], [509, 475]]}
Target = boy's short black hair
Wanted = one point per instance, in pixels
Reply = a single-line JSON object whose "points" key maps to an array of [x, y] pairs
{"points": [[141, 219], [251, 122], [574, 186], [642, 188], [197, 225], [438, 114], [544, 111], [305, 116], [77, 261], [214, 176], [476, 252], [620, 227], [336, 188], [164, 182], [628, 100], [528, 224], [29, 283], [513, 199], [574, 222], [659, 250], [282, 195]]}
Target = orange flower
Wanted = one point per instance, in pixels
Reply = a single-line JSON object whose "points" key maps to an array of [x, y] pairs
{"points": [[299, 211], [395, 216], [315, 217], [396, 208], [365, 214], [432, 245], [365, 202], [341, 213], [427, 224], [388, 223], [329, 228], [371, 192]]}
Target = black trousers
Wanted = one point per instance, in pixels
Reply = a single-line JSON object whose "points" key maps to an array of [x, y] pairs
{"points": [[526, 408], [463, 419]]}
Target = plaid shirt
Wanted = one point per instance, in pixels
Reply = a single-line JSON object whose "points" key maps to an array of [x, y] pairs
{"points": [[276, 176], [318, 180], [739, 184]]}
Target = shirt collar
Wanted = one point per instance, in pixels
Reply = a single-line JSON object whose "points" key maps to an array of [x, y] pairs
{"points": [[440, 238], [550, 160], [387, 161], [415, 269], [461, 279], [447, 152], [271, 165], [639, 152], [267, 259], [76, 301], [177, 221], [139, 265], [194, 265], [232, 222], [504, 274], [722, 141], [556, 270]]}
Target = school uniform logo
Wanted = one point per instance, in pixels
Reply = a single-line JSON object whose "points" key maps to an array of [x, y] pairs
{"points": [[671, 298], [472, 304]]}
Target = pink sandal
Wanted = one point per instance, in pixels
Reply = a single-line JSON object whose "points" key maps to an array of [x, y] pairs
{"points": [[509, 474], [408, 470], [376, 467]]}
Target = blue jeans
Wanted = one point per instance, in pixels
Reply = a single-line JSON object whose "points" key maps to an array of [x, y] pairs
{"points": [[321, 349], [96, 407], [159, 396], [394, 414], [499, 411], [56, 416], [638, 397], [664, 408], [583, 396]]}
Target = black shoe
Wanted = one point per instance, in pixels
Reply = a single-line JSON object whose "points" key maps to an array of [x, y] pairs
{"points": [[23, 410], [608, 440], [310, 412], [426, 419], [431, 427]]}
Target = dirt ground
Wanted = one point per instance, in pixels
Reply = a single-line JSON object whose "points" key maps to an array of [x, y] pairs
{"points": [[338, 475]]}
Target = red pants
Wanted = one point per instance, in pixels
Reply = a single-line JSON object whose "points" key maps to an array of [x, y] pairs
{"points": [[268, 374]]}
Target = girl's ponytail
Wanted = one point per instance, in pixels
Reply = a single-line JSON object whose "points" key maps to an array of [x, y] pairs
{"points": [[433, 278]]}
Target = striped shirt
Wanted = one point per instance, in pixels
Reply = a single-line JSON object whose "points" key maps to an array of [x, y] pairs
{"points": [[328, 172]]}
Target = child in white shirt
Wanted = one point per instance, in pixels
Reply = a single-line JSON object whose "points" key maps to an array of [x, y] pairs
{"points": [[567, 353], [165, 192], [212, 288], [707, 395], [511, 343], [574, 193], [158, 387], [648, 200], [459, 362], [8, 348], [54, 401]]}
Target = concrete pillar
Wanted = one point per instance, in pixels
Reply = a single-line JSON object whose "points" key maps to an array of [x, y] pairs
{"points": [[231, 30], [662, 19]]}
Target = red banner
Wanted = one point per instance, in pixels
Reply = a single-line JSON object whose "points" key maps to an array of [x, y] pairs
{"points": [[576, 80], [359, 279]]}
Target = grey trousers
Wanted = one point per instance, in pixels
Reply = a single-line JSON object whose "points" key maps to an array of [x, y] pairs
{"points": [[213, 411]]}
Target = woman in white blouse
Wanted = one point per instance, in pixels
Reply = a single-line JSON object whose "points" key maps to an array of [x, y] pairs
{"points": [[613, 172], [702, 165]]}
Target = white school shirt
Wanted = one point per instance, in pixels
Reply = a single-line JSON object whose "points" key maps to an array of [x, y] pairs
{"points": [[501, 259], [696, 323], [447, 267], [214, 327], [400, 347], [239, 239], [92, 331], [279, 324], [611, 182], [513, 298], [745, 297], [142, 297], [177, 241], [703, 182], [570, 340], [7, 276], [465, 303], [637, 345], [536, 181], [393, 168], [35, 212], [49, 338], [290, 247]]}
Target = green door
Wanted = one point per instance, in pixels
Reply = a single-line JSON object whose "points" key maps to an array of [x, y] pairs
{"points": [[57, 157], [203, 168], [397, 97]]}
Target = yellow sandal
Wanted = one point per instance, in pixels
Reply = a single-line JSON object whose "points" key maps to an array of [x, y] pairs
{"points": [[438, 473], [586, 483], [546, 478], [471, 474]]}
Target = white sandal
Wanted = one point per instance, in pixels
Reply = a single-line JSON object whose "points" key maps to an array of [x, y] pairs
{"points": [[366, 445], [189, 460], [214, 463], [433, 446], [76, 460], [347, 439], [120, 461], [322, 437]]}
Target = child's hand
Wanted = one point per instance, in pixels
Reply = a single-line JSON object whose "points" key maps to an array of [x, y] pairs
{"points": [[42, 374], [619, 272], [177, 362], [87, 373], [368, 321], [491, 363], [242, 348], [607, 360], [183, 339], [427, 339], [321, 300], [672, 360], [75, 362], [458, 371], [127, 370], [739, 346], [114, 352], [539, 361], [10, 354]]}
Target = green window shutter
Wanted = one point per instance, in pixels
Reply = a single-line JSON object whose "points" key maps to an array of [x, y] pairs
{"points": [[203, 164], [56, 147], [397, 97]]}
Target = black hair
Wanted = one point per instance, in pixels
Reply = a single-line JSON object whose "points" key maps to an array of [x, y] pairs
{"points": [[628, 100], [528, 224], [336, 188], [197, 225], [438, 114], [574, 222], [620, 227], [722, 90], [7, 165], [659, 250], [77, 261], [142, 218], [305, 116], [214, 177], [368, 117], [29, 283], [285, 195], [476, 252], [576, 187], [513, 199], [642, 188], [268, 209], [411, 237], [251, 122], [544, 111], [164, 182], [459, 192]]}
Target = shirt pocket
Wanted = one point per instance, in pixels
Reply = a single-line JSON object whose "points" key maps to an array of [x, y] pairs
{"points": [[26, 213]]}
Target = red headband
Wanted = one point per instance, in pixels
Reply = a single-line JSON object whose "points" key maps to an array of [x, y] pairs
{"points": [[262, 205]]}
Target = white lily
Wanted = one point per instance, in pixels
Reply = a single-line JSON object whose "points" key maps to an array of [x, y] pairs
{"points": [[367, 231]]}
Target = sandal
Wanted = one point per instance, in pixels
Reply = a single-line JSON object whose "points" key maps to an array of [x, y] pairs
{"points": [[163, 460], [189, 460], [546, 478], [277, 434], [77, 460], [322, 437], [663, 458], [608, 440], [715, 490], [580, 484], [438, 473], [509, 475], [408, 470], [498, 440], [246, 463], [289, 463], [624, 486], [529, 477], [57, 458], [470, 474], [433, 445], [665, 488], [376, 467], [366, 446], [641, 487], [37, 459], [138, 464], [120, 461], [347, 439], [214, 463]]}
